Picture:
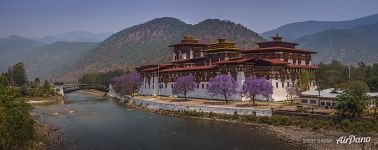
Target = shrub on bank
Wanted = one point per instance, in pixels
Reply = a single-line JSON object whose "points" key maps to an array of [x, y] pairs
{"points": [[280, 120], [16, 125]]}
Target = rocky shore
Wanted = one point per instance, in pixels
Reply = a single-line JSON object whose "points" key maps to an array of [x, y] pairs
{"points": [[308, 138], [46, 137]]}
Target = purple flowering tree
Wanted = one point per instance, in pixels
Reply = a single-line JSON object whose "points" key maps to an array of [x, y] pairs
{"points": [[184, 85], [293, 90], [116, 84], [222, 85], [127, 84], [133, 82], [254, 86]]}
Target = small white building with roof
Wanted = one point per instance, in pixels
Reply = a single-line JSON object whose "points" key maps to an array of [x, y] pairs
{"points": [[327, 98]]}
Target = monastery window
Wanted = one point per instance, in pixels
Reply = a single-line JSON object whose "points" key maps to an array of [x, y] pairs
{"points": [[203, 86], [166, 85], [198, 86], [145, 86], [304, 100], [172, 85], [312, 101], [276, 84], [322, 103], [207, 85], [153, 86], [288, 83], [283, 84], [149, 86]]}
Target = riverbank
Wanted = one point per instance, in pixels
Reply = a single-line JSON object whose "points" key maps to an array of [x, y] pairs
{"points": [[44, 100], [93, 92], [45, 137], [312, 138]]}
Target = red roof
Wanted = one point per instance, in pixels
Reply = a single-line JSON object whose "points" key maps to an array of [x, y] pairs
{"points": [[275, 61], [187, 60], [237, 60], [273, 49], [303, 66], [209, 67], [155, 67]]}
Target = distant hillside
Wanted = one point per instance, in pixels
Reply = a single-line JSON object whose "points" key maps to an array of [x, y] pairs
{"points": [[14, 48], [148, 43], [349, 46], [293, 31], [76, 36], [52, 58]]}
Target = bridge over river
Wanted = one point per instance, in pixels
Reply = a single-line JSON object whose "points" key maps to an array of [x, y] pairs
{"points": [[69, 88]]}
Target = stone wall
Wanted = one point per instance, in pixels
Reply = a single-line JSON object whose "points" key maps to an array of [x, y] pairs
{"points": [[198, 108]]}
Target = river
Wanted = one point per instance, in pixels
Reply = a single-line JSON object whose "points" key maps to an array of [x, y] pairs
{"points": [[91, 123]]}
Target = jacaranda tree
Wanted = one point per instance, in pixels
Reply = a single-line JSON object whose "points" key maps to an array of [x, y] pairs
{"points": [[254, 86], [222, 85], [183, 85], [293, 90], [134, 81], [127, 84]]}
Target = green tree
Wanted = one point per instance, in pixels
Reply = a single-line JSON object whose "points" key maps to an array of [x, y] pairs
{"points": [[373, 83], [37, 82], [46, 85], [16, 125], [3, 81], [305, 80], [17, 74], [333, 77], [353, 100]]}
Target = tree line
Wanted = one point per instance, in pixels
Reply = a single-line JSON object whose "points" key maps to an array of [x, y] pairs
{"points": [[338, 75], [17, 78]]}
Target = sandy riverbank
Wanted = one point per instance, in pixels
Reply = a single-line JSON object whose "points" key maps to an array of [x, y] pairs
{"points": [[312, 139], [93, 92], [44, 100]]}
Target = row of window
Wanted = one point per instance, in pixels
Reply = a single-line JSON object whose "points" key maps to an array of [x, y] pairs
{"points": [[203, 86], [327, 103], [306, 101], [322, 103]]}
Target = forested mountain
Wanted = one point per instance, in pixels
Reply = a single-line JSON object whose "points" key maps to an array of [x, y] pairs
{"points": [[350, 46], [53, 58], [296, 30], [14, 48], [148, 43]]}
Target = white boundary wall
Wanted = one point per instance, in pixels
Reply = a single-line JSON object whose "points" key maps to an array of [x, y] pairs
{"points": [[199, 108], [279, 92]]}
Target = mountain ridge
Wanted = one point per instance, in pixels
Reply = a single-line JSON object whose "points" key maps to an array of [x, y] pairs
{"points": [[293, 31], [344, 44], [148, 43]]}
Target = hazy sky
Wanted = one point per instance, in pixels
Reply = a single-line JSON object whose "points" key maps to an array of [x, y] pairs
{"points": [[37, 18]]}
